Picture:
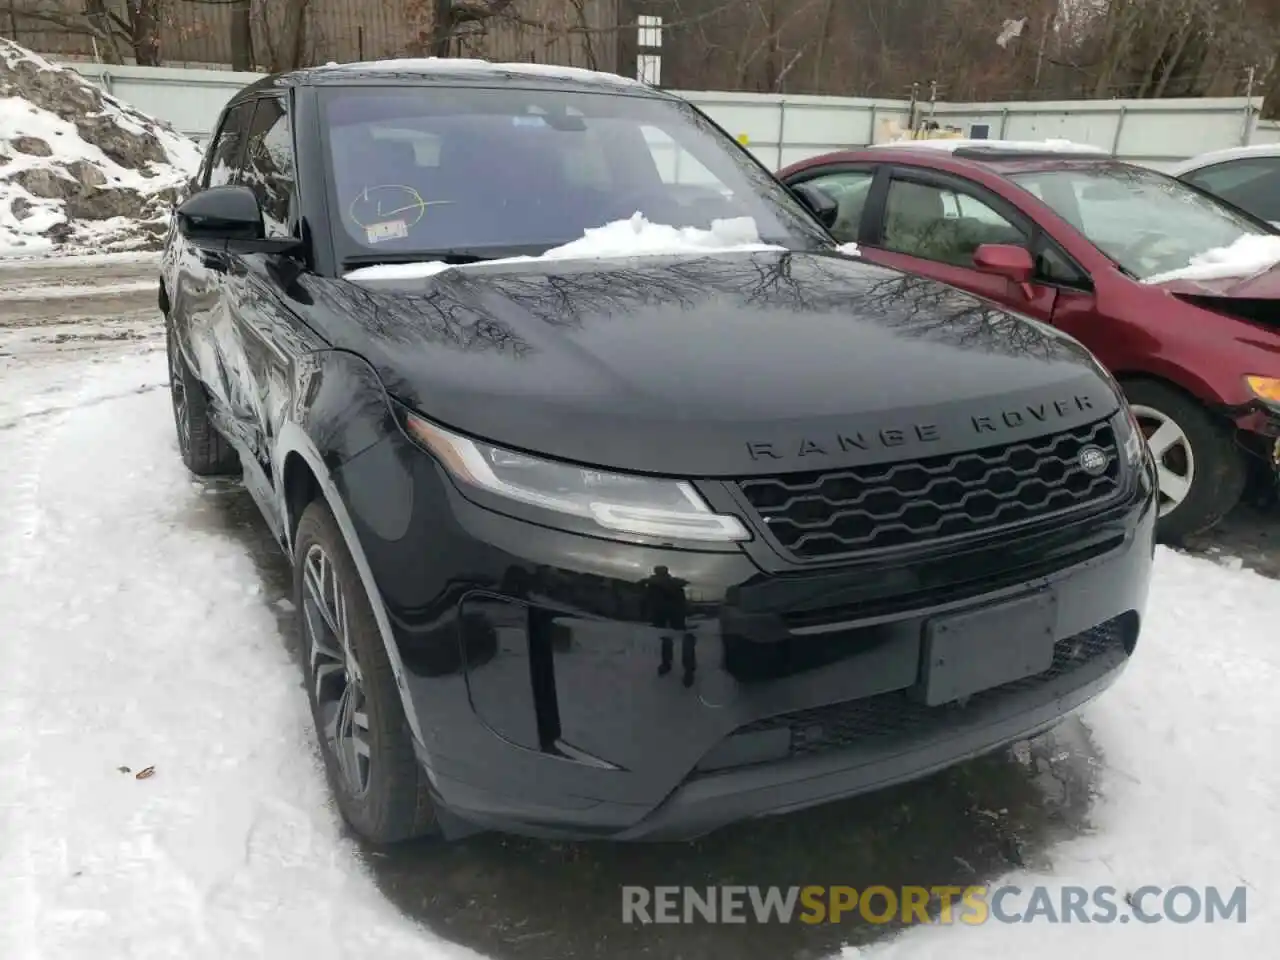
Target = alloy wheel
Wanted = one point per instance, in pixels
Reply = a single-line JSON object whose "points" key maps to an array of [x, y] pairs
{"points": [[335, 674], [1175, 460], [178, 391]]}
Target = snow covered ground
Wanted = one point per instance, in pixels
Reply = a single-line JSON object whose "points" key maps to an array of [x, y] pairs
{"points": [[143, 625]]}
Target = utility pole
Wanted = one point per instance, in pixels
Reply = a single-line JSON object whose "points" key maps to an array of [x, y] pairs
{"points": [[1247, 134]]}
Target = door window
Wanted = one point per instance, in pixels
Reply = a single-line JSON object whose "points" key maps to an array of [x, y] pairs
{"points": [[268, 165], [849, 189], [939, 223], [1251, 184], [224, 152]]}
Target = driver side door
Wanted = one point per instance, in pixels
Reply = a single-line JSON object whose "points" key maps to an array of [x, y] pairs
{"points": [[931, 224]]}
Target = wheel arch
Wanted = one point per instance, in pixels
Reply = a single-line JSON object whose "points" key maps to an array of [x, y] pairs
{"points": [[305, 478], [1191, 386]]}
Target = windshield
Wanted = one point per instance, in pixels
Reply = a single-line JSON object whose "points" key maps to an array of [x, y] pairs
{"points": [[500, 172], [1147, 222]]}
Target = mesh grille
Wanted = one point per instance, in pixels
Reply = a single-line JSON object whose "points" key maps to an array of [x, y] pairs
{"points": [[814, 516], [897, 715]]}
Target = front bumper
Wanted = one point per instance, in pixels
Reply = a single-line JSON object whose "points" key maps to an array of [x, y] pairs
{"points": [[558, 695]]}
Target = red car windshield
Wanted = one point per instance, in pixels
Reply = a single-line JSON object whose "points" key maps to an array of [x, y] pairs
{"points": [[1145, 221]]}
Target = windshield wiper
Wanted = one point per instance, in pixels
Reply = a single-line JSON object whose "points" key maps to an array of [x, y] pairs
{"points": [[451, 257]]}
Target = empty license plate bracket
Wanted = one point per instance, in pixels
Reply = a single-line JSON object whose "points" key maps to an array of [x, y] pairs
{"points": [[966, 653]]}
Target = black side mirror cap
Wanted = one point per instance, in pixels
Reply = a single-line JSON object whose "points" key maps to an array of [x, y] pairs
{"points": [[822, 205], [222, 213]]}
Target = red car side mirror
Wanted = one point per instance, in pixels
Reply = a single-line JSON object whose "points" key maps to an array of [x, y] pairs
{"points": [[1005, 260]]}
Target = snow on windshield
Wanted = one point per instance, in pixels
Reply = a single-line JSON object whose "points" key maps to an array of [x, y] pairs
{"points": [[621, 238], [1249, 255]]}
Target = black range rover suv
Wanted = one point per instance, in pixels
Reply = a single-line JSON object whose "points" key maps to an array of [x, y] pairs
{"points": [[623, 542]]}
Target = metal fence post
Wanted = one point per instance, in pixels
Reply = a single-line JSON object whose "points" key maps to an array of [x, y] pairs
{"points": [[1115, 141], [782, 131]]}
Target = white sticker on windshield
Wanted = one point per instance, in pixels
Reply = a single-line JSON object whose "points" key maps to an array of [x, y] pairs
{"points": [[387, 230]]}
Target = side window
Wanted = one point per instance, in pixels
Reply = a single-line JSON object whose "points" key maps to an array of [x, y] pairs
{"points": [[1053, 267], [268, 165], [224, 152], [849, 189], [939, 223], [1252, 184]]}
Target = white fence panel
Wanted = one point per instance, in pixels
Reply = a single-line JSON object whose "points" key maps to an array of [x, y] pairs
{"points": [[190, 100], [1152, 132], [782, 129], [1267, 131]]}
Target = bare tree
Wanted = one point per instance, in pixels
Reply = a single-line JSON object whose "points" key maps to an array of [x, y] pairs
{"points": [[114, 26]]}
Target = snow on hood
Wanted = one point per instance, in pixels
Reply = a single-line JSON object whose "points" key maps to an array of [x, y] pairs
{"points": [[621, 238], [1250, 255], [79, 169]]}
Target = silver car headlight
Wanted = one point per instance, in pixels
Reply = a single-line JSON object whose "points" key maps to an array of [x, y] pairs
{"points": [[1129, 435], [644, 506]]}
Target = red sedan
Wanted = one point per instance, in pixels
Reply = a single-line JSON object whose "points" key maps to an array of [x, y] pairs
{"points": [[1170, 287]]}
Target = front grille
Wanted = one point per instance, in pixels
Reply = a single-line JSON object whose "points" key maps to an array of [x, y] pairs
{"points": [[816, 516], [897, 715]]}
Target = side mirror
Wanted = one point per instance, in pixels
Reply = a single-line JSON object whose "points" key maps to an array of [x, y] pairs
{"points": [[222, 213], [1006, 260], [822, 205]]}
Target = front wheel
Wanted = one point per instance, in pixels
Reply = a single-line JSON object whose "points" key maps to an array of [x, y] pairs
{"points": [[355, 702], [1201, 470], [204, 450]]}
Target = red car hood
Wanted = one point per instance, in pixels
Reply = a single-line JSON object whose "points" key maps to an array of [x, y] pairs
{"points": [[1264, 285], [1255, 299]]}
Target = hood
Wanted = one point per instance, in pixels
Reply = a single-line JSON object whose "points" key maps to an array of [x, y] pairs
{"points": [[1264, 285], [727, 364], [1253, 298]]}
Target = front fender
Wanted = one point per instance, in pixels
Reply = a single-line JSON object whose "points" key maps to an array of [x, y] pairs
{"points": [[341, 410]]}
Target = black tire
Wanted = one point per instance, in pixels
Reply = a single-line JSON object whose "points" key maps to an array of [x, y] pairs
{"points": [[393, 804], [1220, 470], [204, 450]]}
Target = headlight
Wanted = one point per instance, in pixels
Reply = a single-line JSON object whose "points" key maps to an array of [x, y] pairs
{"points": [[644, 506], [1265, 388], [1131, 438]]}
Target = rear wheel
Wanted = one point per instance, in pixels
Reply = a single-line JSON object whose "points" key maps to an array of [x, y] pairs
{"points": [[204, 450], [355, 702], [1201, 469]]}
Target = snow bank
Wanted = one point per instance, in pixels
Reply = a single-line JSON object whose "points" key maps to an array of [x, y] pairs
{"points": [[79, 169], [621, 238], [1247, 256]]}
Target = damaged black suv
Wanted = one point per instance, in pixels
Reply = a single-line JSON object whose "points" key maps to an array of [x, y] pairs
{"points": [[621, 501]]}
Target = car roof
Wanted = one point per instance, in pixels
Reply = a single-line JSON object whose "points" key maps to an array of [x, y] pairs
{"points": [[996, 149], [999, 157], [1228, 153], [453, 71]]}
